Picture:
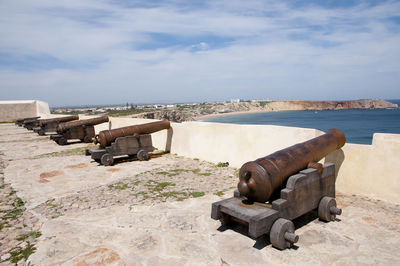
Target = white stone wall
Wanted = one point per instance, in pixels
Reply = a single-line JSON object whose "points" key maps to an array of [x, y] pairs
{"points": [[13, 110], [371, 170]]}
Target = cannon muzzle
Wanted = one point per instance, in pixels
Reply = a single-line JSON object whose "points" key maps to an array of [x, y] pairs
{"points": [[105, 137], [260, 178], [43, 122], [86, 122]]}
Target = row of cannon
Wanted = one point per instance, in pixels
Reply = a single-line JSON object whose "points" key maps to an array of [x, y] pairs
{"points": [[132, 140], [271, 192]]}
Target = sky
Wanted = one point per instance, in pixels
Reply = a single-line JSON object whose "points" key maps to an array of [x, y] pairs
{"points": [[74, 52]]}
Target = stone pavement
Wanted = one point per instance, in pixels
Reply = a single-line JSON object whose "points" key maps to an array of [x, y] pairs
{"points": [[158, 213]]}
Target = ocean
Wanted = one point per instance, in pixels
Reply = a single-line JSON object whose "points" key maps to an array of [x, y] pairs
{"points": [[358, 125]]}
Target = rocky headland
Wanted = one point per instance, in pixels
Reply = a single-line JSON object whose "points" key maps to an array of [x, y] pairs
{"points": [[201, 111]]}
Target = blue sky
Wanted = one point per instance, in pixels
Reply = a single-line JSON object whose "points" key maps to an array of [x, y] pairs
{"points": [[69, 52]]}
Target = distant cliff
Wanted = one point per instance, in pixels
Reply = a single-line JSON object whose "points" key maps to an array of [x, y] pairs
{"points": [[194, 112]]}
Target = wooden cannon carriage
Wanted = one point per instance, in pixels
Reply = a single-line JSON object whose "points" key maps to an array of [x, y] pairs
{"points": [[274, 190], [132, 141], [50, 125], [79, 129]]}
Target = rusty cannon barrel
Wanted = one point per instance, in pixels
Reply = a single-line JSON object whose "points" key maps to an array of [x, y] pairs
{"points": [[86, 122], [26, 119], [43, 122], [105, 137], [259, 179]]}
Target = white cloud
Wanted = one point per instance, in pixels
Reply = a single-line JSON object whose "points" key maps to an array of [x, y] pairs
{"points": [[223, 50]]}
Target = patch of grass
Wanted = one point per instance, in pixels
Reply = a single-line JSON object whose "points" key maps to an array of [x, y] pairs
{"points": [[173, 172], [205, 174], [175, 194], [196, 159], [197, 194], [178, 170], [52, 205], [144, 194], [25, 236], [13, 214], [19, 253], [195, 171], [119, 186], [137, 182], [4, 224], [70, 152], [19, 202], [219, 193], [162, 173], [161, 186], [220, 164]]}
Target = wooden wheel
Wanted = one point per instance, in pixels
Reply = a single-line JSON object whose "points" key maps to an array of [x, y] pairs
{"points": [[282, 234], [41, 132], [107, 159], [327, 209], [62, 141], [87, 139], [143, 155]]}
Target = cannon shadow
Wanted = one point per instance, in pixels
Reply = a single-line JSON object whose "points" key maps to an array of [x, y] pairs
{"points": [[264, 240]]}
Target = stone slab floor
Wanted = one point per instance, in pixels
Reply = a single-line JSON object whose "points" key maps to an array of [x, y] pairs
{"points": [[59, 207]]}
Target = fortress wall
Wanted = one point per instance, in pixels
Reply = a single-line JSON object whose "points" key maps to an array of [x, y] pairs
{"points": [[13, 110], [371, 170]]}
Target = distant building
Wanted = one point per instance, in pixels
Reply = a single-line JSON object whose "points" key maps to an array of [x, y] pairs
{"points": [[235, 100], [261, 100]]}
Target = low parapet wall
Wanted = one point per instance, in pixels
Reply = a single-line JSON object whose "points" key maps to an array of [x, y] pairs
{"points": [[371, 170], [13, 110]]}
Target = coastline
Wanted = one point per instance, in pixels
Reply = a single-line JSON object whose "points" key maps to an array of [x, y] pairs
{"points": [[200, 112], [203, 117]]}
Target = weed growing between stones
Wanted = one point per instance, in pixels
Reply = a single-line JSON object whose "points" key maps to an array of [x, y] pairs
{"points": [[70, 152], [180, 180], [19, 253], [19, 229]]}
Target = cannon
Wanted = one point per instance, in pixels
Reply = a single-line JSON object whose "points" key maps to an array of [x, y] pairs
{"points": [[274, 190], [20, 122], [132, 141], [51, 124], [30, 123], [78, 129]]}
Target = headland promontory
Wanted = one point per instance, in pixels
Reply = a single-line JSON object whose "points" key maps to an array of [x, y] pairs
{"points": [[205, 110]]}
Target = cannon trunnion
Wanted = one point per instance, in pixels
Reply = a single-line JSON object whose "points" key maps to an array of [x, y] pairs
{"points": [[274, 190]]}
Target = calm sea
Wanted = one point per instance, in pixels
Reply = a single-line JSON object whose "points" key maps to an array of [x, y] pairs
{"points": [[357, 125]]}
